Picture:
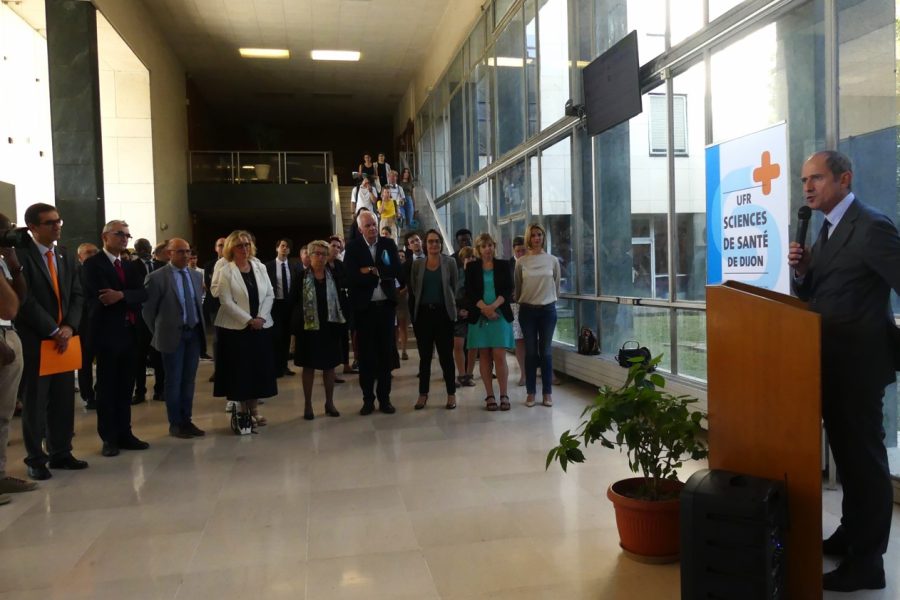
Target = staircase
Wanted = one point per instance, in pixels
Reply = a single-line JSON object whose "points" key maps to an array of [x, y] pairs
{"points": [[346, 192]]}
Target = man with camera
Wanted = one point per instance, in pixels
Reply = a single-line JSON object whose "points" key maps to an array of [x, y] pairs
{"points": [[12, 293]]}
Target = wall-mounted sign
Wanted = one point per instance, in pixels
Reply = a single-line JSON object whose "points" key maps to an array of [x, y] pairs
{"points": [[748, 210]]}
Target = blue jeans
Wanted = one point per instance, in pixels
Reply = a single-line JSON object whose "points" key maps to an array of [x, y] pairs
{"points": [[181, 371], [538, 325]]}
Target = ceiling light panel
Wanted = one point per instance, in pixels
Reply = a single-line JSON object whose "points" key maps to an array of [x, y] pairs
{"points": [[265, 53], [341, 55]]}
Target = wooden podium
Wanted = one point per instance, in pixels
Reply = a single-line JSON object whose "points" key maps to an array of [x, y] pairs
{"points": [[764, 399]]}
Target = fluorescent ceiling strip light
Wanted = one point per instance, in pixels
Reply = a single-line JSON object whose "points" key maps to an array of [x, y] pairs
{"points": [[344, 55], [264, 53]]}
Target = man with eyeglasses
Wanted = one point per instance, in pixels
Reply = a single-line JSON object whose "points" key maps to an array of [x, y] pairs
{"points": [[114, 291], [174, 315], [51, 311]]}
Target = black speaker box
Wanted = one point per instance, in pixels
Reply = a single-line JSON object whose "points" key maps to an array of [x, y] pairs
{"points": [[733, 537]]}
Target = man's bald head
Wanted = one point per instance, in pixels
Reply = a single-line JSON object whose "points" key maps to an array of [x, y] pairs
{"points": [[179, 252]]}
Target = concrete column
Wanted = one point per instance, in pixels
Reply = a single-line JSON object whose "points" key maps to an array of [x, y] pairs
{"points": [[75, 119]]}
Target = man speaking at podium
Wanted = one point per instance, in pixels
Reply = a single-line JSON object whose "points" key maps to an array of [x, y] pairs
{"points": [[847, 277]]}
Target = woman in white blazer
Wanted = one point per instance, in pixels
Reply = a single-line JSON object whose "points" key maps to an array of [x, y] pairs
{"points": [[245, 365]]}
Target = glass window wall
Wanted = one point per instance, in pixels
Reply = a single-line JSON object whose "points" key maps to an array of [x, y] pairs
{"points": [[509, 67], [556, 208], [553, 56]]}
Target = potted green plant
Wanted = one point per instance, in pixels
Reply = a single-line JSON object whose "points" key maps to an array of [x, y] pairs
{"points": [[657, 431]]}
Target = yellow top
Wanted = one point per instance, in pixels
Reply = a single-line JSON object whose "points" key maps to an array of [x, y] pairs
{"points": [[387, 208]]}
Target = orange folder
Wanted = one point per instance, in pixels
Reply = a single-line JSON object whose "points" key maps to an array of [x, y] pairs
{"points": [[52, 362]]}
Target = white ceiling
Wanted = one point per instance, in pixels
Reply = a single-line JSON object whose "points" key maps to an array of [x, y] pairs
{"points": [[392, 35]]}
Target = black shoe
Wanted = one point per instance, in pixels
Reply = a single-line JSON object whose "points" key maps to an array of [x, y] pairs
{"points": [[309, 415], [339, 380], [853, 575], [332, 412], [387, 408], [193, 429], [289, 372], [90, 405], [68, 463], [159, 397], [133, 443], [138, 398], [212, 378], [837, 544], [109, 449], [39, 472], [367, 409], [179, 431]]}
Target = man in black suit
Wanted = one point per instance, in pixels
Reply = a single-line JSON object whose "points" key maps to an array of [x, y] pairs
{"points": [[847, 277], [51, 311], [144, 354], [284, 276], [373, 267], [210, 302], [114, 291], [86, 372]]}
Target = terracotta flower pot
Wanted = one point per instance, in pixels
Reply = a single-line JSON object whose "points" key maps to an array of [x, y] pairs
{"points": [[648, 530]]}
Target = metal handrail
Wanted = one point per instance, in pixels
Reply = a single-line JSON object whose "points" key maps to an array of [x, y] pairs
{"points": [[422, 192]]}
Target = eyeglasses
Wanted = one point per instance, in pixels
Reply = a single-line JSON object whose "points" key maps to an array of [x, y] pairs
{"points": [[120, 234], [52, 223]]}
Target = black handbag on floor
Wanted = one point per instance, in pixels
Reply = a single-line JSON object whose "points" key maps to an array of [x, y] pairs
{"points": [[627, 354]]}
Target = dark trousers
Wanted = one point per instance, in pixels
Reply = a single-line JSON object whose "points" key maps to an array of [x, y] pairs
{"points": [[434, 328], [852, 411], [181, 373], [86, 372], [538, 324], [377, 349], [48, 411], [115, 380], [146, 352], [281, 334]]}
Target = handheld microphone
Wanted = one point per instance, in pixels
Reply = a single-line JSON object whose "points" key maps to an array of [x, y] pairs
{"points": [[803, 216]]}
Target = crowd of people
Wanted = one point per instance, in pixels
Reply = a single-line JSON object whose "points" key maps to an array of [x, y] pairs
{"points": [[131, 309]]}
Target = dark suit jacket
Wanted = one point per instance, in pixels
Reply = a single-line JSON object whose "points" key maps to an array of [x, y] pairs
{"points": [[849, 283], [210, 302], [503, 286], [362, 285], [109, 324], [38, 313], [296, 274]]}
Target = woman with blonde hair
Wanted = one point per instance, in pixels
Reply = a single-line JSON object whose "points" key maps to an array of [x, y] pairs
{"points": [[489, 290], [319, 326], [388, 209], [245, 365], [537, 289]]}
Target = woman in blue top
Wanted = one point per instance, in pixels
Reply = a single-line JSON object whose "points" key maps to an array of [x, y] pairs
{"points": [[489, 289]]}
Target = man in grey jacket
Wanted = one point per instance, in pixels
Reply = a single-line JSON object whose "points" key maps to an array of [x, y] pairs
{"points": [[173, 314]]}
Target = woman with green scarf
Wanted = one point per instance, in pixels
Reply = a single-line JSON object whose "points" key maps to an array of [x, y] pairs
{"points": [[317, 322]]}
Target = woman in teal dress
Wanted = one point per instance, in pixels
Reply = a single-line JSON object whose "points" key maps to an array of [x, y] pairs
{"points": [[489, 289]]}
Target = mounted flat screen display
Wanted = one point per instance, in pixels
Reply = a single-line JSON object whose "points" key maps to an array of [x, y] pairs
{"points": [[612, 90]]}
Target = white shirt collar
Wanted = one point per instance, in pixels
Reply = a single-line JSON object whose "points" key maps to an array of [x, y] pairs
{"points": [[280, 260], [837, 213], [112, 257]]}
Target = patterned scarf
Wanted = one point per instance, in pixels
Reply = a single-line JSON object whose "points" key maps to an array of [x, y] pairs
{"points": [[310, 306]]}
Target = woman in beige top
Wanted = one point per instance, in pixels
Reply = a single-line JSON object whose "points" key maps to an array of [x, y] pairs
{"points": [[537, 289]]}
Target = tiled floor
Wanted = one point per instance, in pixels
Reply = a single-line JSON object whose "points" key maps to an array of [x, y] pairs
{"points": [[421, 505]]}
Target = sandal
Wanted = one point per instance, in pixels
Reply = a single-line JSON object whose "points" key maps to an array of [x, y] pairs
{"points": [[451, 402], [258, 420], [548, 400], [491, 403], [504, 404], [529, 400], [420, 404]]}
